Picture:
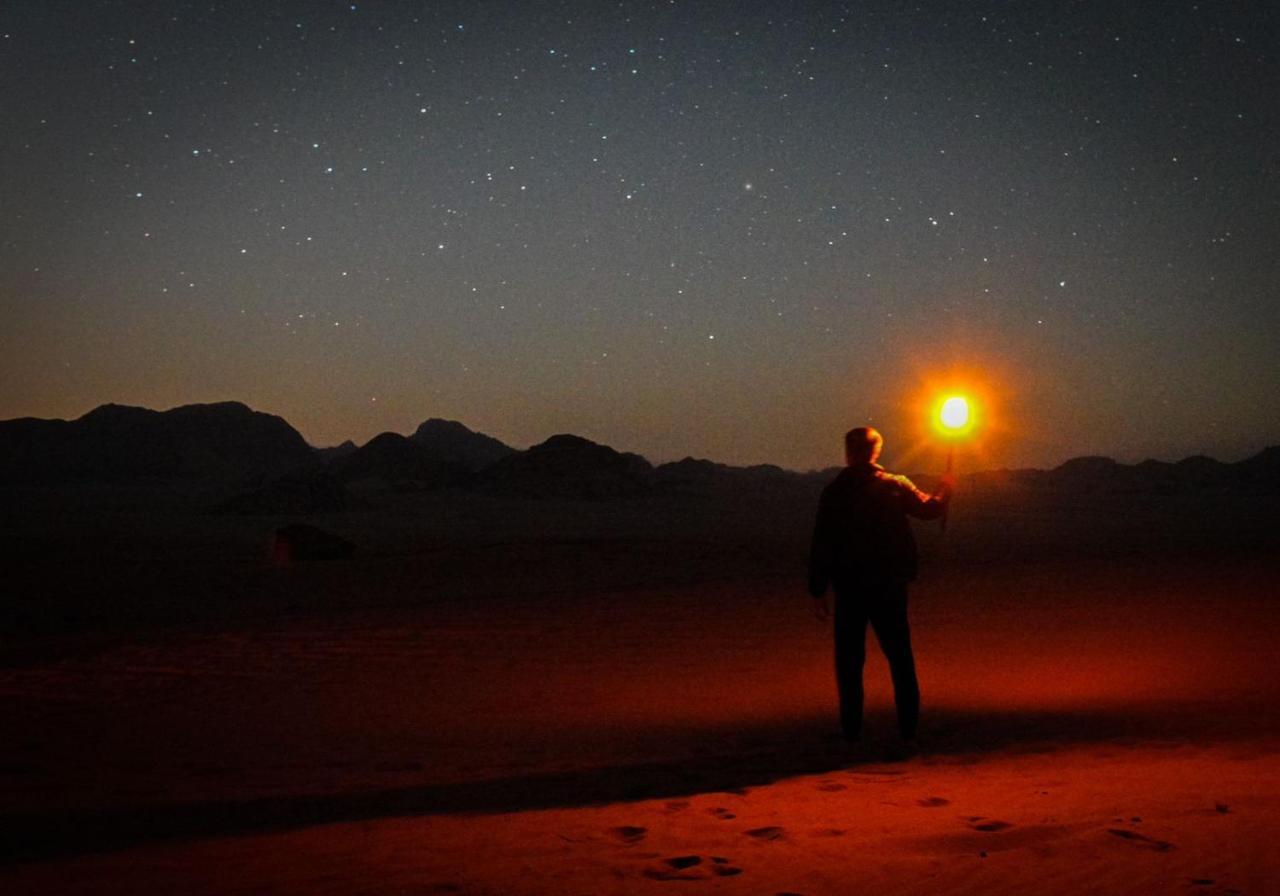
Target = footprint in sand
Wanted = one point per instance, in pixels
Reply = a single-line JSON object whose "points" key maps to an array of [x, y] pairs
{"points": [[772, 832], [828, 786], [989, 826], [723, 867], [629, 833], [672, 806], [721, 813], [1140, 840], [933, 802], [673, 874], [692, 868]]}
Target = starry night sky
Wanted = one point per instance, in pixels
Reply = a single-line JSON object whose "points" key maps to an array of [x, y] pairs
{"points": [[717, 229]]}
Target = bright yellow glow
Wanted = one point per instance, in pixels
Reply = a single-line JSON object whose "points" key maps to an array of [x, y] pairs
{"points": [[983, 387], [953, 416]]}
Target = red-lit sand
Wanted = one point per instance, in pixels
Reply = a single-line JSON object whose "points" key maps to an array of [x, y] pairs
{"points": [[1102, 729]]}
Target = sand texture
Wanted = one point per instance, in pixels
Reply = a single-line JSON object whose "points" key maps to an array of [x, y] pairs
{"points": [[578, 704]]}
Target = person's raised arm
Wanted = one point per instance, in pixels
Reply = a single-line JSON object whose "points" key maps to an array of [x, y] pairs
{"points": [[926, 507]]}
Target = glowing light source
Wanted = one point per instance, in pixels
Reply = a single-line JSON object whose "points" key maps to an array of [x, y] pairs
{"points": [[953, 416], [954, 413]]}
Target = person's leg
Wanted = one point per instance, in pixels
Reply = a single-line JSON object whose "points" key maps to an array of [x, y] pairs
{"points": [[888, 617], [851, 653]]}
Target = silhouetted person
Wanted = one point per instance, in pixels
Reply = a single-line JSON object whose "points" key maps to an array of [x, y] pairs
{"points": [[864, 549]]}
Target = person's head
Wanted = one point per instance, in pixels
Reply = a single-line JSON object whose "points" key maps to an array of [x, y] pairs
{"points": [[862, 445]]}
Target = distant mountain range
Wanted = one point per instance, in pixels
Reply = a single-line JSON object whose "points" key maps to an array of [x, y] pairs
{"points": [[1091, 475], [223, 442], [267, 466]]}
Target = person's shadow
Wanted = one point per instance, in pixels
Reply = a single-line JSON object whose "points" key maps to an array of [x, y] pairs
{"points": [[758, 756]]}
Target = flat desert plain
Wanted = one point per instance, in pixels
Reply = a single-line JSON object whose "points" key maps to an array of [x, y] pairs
{"points": [[506, 696]]}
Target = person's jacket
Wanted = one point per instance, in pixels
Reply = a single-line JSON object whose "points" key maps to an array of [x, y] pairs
{"points": [[861, 535]]}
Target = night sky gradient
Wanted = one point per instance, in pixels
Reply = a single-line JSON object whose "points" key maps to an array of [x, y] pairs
{"points": [[725, 230]]}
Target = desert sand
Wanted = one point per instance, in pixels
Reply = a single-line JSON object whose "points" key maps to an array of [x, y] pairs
{"points": [[505, 696]]}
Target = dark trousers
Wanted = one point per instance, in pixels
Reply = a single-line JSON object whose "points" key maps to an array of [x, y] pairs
{"points": [[885, 607]]}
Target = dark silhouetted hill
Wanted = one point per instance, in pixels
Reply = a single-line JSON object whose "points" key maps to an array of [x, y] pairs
{"points": [[448, 441], [569, 466], [1084, 476], [693, 476], [391, 460], [1154, 477], [336, 452], [1262, 471], [225, 442]]}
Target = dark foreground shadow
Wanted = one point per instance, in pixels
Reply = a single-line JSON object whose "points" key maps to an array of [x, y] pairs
{"points": [[762, 755]]}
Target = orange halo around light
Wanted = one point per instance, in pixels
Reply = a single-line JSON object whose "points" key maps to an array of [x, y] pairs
{"points": [[982, 386]]}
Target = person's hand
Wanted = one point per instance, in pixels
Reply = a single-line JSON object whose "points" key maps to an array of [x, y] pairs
{"points": [[821, 608]]}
